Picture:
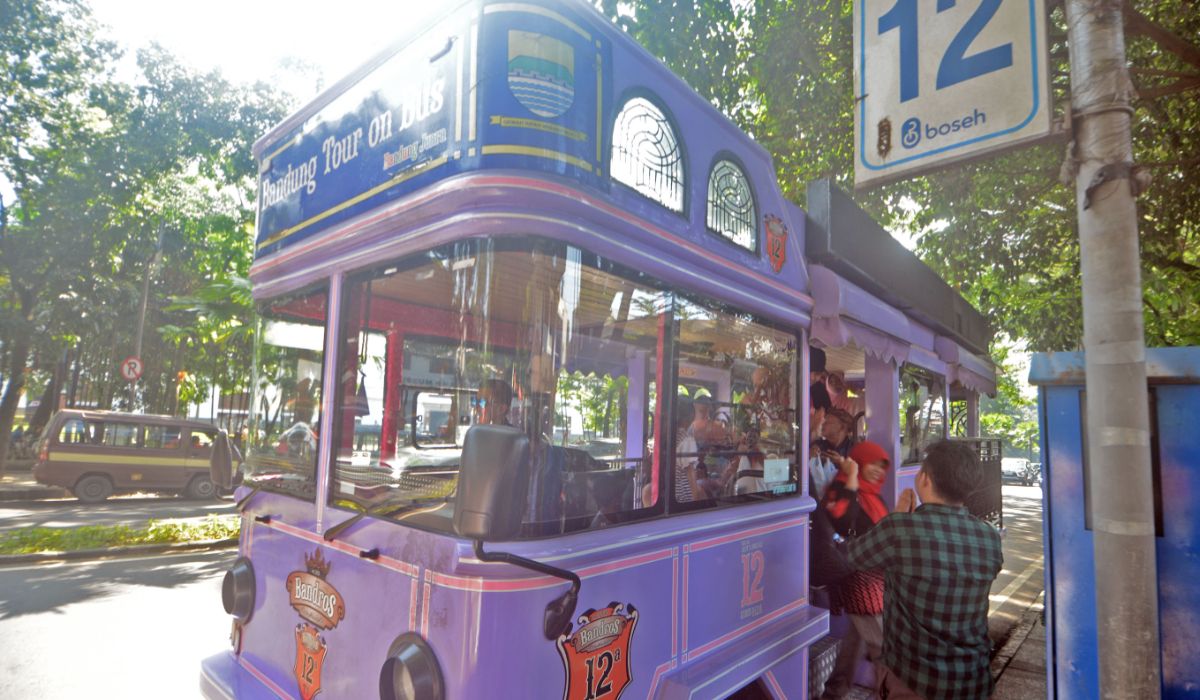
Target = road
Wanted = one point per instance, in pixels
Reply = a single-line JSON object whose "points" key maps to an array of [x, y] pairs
{"points": [[1021, 580], [138, 628], [131, 510], [124, 628]]}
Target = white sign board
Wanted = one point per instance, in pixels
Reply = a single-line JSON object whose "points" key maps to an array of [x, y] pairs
{"points": [[940, 81]]}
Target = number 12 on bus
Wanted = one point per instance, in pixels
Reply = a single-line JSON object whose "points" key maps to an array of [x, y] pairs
{"points": [[940, 81]]}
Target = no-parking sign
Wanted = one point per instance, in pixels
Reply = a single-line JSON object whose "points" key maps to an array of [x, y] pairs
{"points": [[941, 81], [131, 368]]}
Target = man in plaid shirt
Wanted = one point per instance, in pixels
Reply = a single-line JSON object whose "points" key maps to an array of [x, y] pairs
{"points": [[938, 562]]}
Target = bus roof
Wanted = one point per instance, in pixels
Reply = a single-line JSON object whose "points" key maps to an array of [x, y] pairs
{"points": [[512, 96]]}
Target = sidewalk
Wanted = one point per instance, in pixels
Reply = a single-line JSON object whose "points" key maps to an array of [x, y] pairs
{"points": [[1020, 666], [18, 485]]}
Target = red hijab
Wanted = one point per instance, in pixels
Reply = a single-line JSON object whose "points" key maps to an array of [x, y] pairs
{"points": [[869, 499]]}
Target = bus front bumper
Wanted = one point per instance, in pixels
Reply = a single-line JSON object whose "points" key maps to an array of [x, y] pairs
{"points": [[222, 677]]}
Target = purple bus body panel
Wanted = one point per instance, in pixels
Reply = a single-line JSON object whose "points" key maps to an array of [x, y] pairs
{"points": [[701, 630]]}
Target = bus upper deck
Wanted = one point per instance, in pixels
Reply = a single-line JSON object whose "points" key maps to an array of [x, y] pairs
{"points": [[543, 283]]}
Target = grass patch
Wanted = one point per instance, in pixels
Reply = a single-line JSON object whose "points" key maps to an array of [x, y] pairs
{"points": [[66, 539]]}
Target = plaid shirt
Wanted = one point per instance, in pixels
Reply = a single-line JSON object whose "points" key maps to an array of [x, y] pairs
{"points": [[938, 564]]}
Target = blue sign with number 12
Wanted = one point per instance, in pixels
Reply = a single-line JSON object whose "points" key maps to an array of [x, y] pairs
{"points": [[912, 52]]}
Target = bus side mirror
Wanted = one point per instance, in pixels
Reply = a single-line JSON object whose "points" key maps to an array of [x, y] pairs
{"points": [[493, 483], [220, 464]]}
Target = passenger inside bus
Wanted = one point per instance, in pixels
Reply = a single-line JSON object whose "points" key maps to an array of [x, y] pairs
{"points": [[492, 403], [837, 432], [569, 343]]}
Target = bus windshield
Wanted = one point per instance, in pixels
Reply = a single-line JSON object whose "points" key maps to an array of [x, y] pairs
{"points": [[538, 336], [281, 440], [565, 346]]}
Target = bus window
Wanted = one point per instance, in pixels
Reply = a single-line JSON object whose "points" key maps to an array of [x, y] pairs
{"points": [[735, 432], [121, 435], [74, 432], [281, 452], [163, 437], [562, 346], [922, 412]]}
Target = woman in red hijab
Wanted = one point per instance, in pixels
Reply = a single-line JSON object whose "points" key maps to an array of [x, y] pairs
{"points": [[854, 504]]}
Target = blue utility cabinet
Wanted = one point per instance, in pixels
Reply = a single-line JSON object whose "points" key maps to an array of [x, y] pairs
{"points": [[1174, 378]]}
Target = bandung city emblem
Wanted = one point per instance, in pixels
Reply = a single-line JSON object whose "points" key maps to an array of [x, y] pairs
{"points": [[777, 235], [322, 608], [596, 656], [310, 655], [541, 73]]}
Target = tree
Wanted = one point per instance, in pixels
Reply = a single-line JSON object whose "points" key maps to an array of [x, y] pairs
{"points": [[109, 177], [1001, 231]]}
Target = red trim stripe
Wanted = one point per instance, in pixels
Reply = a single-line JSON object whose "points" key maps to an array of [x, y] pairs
{"points": [[674, 601], [776, 689], [685, 604], [386, 562], [762, 530], [481, 584], [747, 628], [264, 679], [425, 608], [412, 604], [659, 673]]}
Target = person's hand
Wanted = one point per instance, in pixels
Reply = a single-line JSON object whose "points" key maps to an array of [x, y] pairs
{"points": [[907, 502], [847, 466]]}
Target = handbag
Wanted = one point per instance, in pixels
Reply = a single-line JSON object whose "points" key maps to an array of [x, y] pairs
{"points": [[829, 564]]}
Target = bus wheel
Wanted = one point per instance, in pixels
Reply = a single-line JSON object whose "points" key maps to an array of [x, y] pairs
{"points": [[93, 488], [201, 488]]}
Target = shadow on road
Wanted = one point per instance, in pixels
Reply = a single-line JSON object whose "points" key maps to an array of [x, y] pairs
{"points": [[129, 511], [52, 587]]}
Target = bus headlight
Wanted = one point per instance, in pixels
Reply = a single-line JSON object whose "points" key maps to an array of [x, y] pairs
{"points": [[411, 671], [237, 590]]}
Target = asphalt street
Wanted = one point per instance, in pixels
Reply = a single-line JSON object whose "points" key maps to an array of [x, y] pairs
{"points": [[124, 628], [130, 510], [138, 627]]}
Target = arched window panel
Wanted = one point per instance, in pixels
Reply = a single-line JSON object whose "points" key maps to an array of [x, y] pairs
{"points": [[731, 205], [646, 154]]}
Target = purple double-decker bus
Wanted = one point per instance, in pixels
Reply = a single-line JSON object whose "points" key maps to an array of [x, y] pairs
{"points": [[532, 353]]}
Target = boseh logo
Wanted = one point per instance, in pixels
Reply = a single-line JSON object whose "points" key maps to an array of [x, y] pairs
{"points": [[912, 132]]}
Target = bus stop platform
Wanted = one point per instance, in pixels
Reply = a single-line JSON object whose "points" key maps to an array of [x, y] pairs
{"points": [[1019, 667]]}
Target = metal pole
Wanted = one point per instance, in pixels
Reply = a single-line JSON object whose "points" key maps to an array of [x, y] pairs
{"points": [[1118, 440], [141, 324]]}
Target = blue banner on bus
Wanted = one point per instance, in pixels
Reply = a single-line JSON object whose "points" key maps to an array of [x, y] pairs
{"points": [[374, 142]]}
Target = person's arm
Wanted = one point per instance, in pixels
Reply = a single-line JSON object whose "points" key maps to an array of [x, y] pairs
{"points": [[842, 503], [698, 493], [873, 549]]}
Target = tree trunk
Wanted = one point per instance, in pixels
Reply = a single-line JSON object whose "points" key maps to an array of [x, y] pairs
{"points": [[17, 359], [49, 402]]}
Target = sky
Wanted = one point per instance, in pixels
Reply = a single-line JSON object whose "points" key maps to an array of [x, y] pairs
{"points": [[250, 40]]}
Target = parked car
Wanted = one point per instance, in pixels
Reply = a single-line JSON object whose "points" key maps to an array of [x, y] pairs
{"points": [[1020, 470], [98, 453]]}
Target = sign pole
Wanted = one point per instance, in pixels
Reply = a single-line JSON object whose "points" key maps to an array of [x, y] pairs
{"points": [[1118, 435], [141, 324]]}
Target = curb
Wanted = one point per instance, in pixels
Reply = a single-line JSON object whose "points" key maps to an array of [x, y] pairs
{"points": [[133, 550], [33, 493]]}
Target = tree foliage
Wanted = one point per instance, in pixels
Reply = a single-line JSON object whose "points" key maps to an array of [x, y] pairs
{"points": [[1002, 231], [118, 186]]}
